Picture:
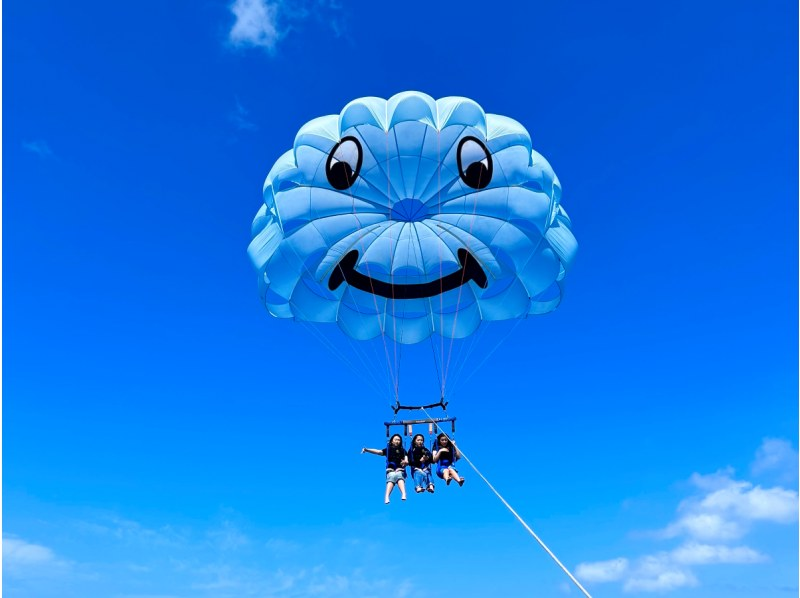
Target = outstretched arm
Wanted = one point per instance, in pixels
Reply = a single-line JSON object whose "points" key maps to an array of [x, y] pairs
{"points": [[372, 451]]}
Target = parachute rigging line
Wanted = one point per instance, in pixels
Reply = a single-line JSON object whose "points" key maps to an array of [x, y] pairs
{"points": [[320, 336], [486, 357], [312, 327], [392, 377], [520, 519]]}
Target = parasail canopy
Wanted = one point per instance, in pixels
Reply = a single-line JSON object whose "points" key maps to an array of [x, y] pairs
{"points": [[408, 217]]}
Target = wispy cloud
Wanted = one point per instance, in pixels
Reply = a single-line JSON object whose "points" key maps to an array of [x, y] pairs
{"points": [[132, 532], [602, 571], [281, 546], [776, 456], [220, 561], [228, 537], [721, 511], [240, 117], [26, 559], [693, 553], [263, 23], [38, 147], [658, 573]]}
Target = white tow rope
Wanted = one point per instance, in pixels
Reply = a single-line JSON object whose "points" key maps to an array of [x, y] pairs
{"points": [[520, 519]]}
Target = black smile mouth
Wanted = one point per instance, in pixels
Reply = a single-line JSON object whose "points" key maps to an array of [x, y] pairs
{"points": [[345, 272]]}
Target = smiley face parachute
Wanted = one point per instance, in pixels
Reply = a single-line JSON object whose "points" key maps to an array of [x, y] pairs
{"points": [[411, 217]]}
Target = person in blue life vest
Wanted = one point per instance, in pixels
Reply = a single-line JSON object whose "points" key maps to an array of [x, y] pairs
{"points": [[396, 461], [445, 453], [420, 459]]}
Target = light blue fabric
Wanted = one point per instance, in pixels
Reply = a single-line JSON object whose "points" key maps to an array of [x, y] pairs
{"points": [[407, 213]]}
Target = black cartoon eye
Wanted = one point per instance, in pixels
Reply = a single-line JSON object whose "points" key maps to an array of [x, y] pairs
{"points": [[474, 163], [344, 163]]}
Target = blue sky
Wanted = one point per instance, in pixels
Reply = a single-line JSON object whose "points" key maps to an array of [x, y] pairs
{"points": [[164, 437]]}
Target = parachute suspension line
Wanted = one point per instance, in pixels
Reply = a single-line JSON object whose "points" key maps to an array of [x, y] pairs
{"points": [[326, 342], [391, 274], [440, 369], [436, 364], [441, 273], [460, 290], [492, 351], [400, 343], [477, 340], [465, 350], [443, 375], [390, 371], [311, 325], [442, 351], [377, 358], [446, 368], [517, 516], [360, 352]]}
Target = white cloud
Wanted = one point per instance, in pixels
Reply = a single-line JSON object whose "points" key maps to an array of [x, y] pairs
{"points": [[264, 23], [713, 481], [776, 455], [255, 25], [26, 559], [662, 580], [704, 526], [693, 553], [727, 508], [20, 553], [658, 573], [723, 509], [742, 499], [665, 570], [602, 571]]}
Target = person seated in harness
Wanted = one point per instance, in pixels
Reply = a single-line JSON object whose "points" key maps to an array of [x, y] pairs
{"points": [[420, 459], [396, 461], [445, 453]]}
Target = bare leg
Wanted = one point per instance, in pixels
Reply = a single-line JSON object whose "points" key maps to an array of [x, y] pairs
{"points": [[446, 474], [389, 488], [457, 478], [401, 483]]}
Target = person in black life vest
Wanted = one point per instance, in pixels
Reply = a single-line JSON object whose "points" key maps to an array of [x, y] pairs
{"points": [[396, 461], [445, 453], [420, 459]]}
